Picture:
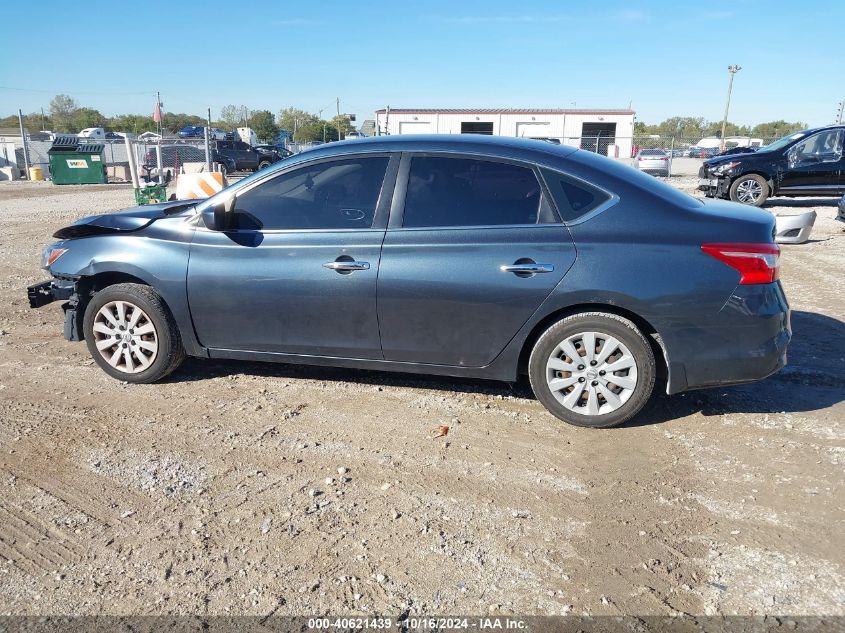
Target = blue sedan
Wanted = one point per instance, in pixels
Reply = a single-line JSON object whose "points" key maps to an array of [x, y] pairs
{"points": [[464, 256]]}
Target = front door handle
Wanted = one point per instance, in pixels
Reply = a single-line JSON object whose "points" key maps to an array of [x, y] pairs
{"points": [[347, 266], [528, 269]]}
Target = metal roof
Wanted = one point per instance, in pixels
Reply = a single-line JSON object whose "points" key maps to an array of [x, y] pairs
{"points": [[503, 111]]}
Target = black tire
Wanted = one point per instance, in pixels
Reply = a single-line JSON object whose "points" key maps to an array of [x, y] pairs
{"points": [[264, 164], [170, 352], [625, 332], [754, 182]]}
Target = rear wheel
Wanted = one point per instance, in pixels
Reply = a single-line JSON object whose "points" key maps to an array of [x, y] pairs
{"points": [[592, 369], [750, 189], [131, 334]]}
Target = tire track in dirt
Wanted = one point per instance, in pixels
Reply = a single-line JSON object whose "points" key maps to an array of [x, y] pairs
{"points": [[33, 545], [82, 490]]}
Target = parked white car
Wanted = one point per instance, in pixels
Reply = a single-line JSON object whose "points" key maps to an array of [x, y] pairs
{"points": [[93, 132]]}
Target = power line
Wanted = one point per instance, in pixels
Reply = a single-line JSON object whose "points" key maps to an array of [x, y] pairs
{"points": [[81, 92]]}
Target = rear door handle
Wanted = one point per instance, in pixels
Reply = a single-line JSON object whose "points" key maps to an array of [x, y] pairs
{"points": [[528, 269], [347, 266]]}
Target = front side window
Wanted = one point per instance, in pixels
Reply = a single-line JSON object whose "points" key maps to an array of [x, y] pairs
{"points": [[338, 194], [445, 192], [824, 147]]}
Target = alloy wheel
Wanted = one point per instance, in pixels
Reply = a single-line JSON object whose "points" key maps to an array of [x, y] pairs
{"points": [[125, 337], [591, 373], [749, 191]]}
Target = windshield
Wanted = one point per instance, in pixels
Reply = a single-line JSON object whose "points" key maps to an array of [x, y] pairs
{"points": [[782, 142]]}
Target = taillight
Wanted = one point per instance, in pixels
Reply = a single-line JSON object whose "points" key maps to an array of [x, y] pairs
{"points": [[755, 263]]}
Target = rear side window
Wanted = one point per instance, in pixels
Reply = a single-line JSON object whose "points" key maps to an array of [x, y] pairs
{"points": [[445, 192], [574, 198]]}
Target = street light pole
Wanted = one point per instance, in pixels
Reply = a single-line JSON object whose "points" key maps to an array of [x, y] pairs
{"points": [[732, 70], [841, 109]]}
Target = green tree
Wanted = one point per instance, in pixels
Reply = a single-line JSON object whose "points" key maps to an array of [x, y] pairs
{"points": [[264, 124], [714, 128], [175, 122], [303, 125], [32, 122], [62, 108], [86, 117], [776, 129], [231, 116], [135, 123], [341, 124]]}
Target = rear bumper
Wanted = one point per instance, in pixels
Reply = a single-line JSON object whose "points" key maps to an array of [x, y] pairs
{"points": [[745, 342]]}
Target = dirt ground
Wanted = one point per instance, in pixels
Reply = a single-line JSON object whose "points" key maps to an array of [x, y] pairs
{"points": [[244, 488]]}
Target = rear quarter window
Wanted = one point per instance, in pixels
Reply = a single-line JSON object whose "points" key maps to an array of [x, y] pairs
{"points": [[574, 198], [610, 169]]}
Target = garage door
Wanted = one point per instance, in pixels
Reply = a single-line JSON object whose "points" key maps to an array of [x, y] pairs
{"points": [[532, 130], [415, 127]]}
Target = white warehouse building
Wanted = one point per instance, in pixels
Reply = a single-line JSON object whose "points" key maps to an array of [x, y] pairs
{"points": [[608, 132]]}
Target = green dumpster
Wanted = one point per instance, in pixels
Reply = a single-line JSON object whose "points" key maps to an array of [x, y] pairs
{"points": [[75, 162]]}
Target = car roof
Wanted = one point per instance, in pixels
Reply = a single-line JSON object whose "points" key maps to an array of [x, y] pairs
{"points": [[813, 130], [469, 143]]}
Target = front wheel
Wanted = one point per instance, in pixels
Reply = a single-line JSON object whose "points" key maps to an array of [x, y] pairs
{"points": [[750, 189], [131, 334], [264, 164], [592, 369]]}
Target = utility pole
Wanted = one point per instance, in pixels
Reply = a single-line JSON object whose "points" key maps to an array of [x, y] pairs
{"points": [[207, 141], [23, 141], [841, 111], [338, 120], [732, 70], [158, 109]]}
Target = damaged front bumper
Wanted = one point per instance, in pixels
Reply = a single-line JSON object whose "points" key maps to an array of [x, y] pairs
{"points": [[46, 292], [713, 186], [40, 295]]}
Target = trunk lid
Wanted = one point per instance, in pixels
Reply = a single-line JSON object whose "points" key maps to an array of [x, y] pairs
{"points": [[742, 223]]}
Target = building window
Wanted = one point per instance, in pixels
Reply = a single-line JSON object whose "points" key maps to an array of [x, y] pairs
{"points": [[476, 127]]}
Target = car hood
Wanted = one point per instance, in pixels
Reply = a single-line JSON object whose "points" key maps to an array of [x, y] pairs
{"points": [[126, 221], [718, 160]]}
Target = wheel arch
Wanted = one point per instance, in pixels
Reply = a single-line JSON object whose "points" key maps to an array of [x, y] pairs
{"points": [[98, 281], [755, 172], [649, 331]]}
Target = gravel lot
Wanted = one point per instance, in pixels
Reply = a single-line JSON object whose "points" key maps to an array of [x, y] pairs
{"points": [[243, 488]]}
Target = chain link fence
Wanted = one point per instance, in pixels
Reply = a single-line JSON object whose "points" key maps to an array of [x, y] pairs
{"points": [[153, 156], [158, 156]]}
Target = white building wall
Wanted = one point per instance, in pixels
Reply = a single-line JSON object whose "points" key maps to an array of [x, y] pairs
{"points": [[565, 126]]}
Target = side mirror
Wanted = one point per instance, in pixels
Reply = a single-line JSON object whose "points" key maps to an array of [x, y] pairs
{"points": [[216, 218]]}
